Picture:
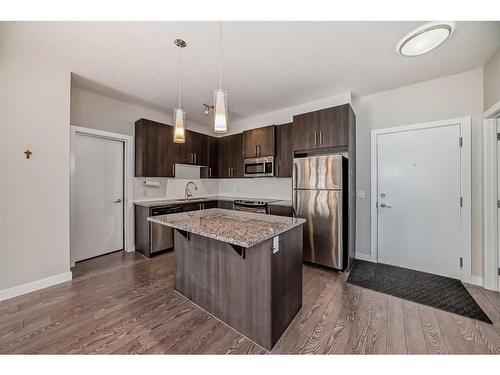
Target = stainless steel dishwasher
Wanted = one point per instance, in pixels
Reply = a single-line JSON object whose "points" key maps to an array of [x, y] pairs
{"points": [[161, 236]]}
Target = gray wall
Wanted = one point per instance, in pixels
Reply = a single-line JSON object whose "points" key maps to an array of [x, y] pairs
{"points": [[34, 193], [449, 97], [492, 81]]}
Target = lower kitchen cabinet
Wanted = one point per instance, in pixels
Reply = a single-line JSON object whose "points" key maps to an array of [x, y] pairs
{"points": [[281, 210], [226, 205]]}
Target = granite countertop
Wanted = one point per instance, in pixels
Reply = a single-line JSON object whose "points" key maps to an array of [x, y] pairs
{"points": [[239, 228], [166, 202]]}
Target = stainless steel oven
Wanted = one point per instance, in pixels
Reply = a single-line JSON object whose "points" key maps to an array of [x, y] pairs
{"points": [[259, 167]]}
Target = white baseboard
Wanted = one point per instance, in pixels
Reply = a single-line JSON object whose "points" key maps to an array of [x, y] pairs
{"points": [[35, 285], [363, 256], [476, 280]]}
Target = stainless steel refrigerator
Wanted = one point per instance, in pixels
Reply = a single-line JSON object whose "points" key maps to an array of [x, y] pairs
{"points": [[320, 196]]}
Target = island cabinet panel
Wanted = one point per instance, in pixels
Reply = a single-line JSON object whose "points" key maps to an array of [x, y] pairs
{"points": [[284, 150], [259, 142], [258, 295]]}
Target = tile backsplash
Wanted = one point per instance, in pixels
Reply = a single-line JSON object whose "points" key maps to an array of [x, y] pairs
{"points": [[173, 188]]}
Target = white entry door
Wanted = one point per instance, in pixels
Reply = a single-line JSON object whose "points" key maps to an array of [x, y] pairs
{"points": [[418, 196], [98, 197]]}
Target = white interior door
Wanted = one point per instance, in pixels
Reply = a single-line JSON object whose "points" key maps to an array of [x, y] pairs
{"points": [[98, 197], [418, 196]]}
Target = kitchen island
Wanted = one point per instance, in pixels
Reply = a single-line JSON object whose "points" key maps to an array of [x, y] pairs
{"points": [[244, 268]]}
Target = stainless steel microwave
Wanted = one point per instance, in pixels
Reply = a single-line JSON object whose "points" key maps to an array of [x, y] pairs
{"points": [[259, 167]]}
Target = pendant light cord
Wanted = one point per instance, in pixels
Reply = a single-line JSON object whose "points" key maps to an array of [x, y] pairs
{"points": [[220, 55], [180, 77]]}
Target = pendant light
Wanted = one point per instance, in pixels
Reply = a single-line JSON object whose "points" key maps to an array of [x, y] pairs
{"points": [[179, 113], [220, 96]]}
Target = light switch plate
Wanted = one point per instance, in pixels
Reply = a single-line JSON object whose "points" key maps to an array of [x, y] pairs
{"points": [[360, 194]]}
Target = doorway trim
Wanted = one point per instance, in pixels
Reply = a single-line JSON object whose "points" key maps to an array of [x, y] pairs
{"points": [[465, 187], [490, 197], [128, 160]]}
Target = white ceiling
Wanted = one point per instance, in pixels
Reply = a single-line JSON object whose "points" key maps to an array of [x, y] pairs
{"points": [[267, 65]]}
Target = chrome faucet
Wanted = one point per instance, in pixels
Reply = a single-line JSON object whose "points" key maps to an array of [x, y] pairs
{"points": [[188, 193]]}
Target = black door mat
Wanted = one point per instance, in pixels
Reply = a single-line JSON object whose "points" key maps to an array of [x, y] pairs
{"points": [[432, 290]]}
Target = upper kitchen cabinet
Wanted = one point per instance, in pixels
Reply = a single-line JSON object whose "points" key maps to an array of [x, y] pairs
{"points": [[151, 149], [325, 128], [213, 157], [197, 148], [231, 156], [194, 150], [333, 126], [305, 135], [258, 142], [284, 150]]}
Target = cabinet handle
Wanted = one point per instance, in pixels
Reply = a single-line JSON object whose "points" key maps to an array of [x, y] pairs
{"points": [[209, 172], [173, 170], [315, 139], [321, 137], [259, 150], [256, 153], [277, 169], [195, 158]]}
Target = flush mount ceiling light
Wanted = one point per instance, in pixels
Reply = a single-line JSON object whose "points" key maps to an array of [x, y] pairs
{"points": [[424, 38], [179, 113]]}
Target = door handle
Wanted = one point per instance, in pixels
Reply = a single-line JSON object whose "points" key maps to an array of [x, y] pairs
{"points": [[118, 201], [383, 205]]}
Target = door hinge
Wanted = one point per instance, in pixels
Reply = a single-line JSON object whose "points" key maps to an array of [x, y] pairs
{"points": [[460, 141], [461, 201], [461, 262]]}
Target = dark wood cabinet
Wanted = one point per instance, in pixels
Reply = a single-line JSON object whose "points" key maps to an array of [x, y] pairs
{"points": [[284, 150], [152, 157], [325, 128], [213, 158], [231, 156], [258, 142], [305, 131], [194, 150], [333, 126], [226, 205], [156, 153], [280, 210]]}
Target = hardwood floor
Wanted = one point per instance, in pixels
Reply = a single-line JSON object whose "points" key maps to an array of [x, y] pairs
{"points": [[125, 303]]}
